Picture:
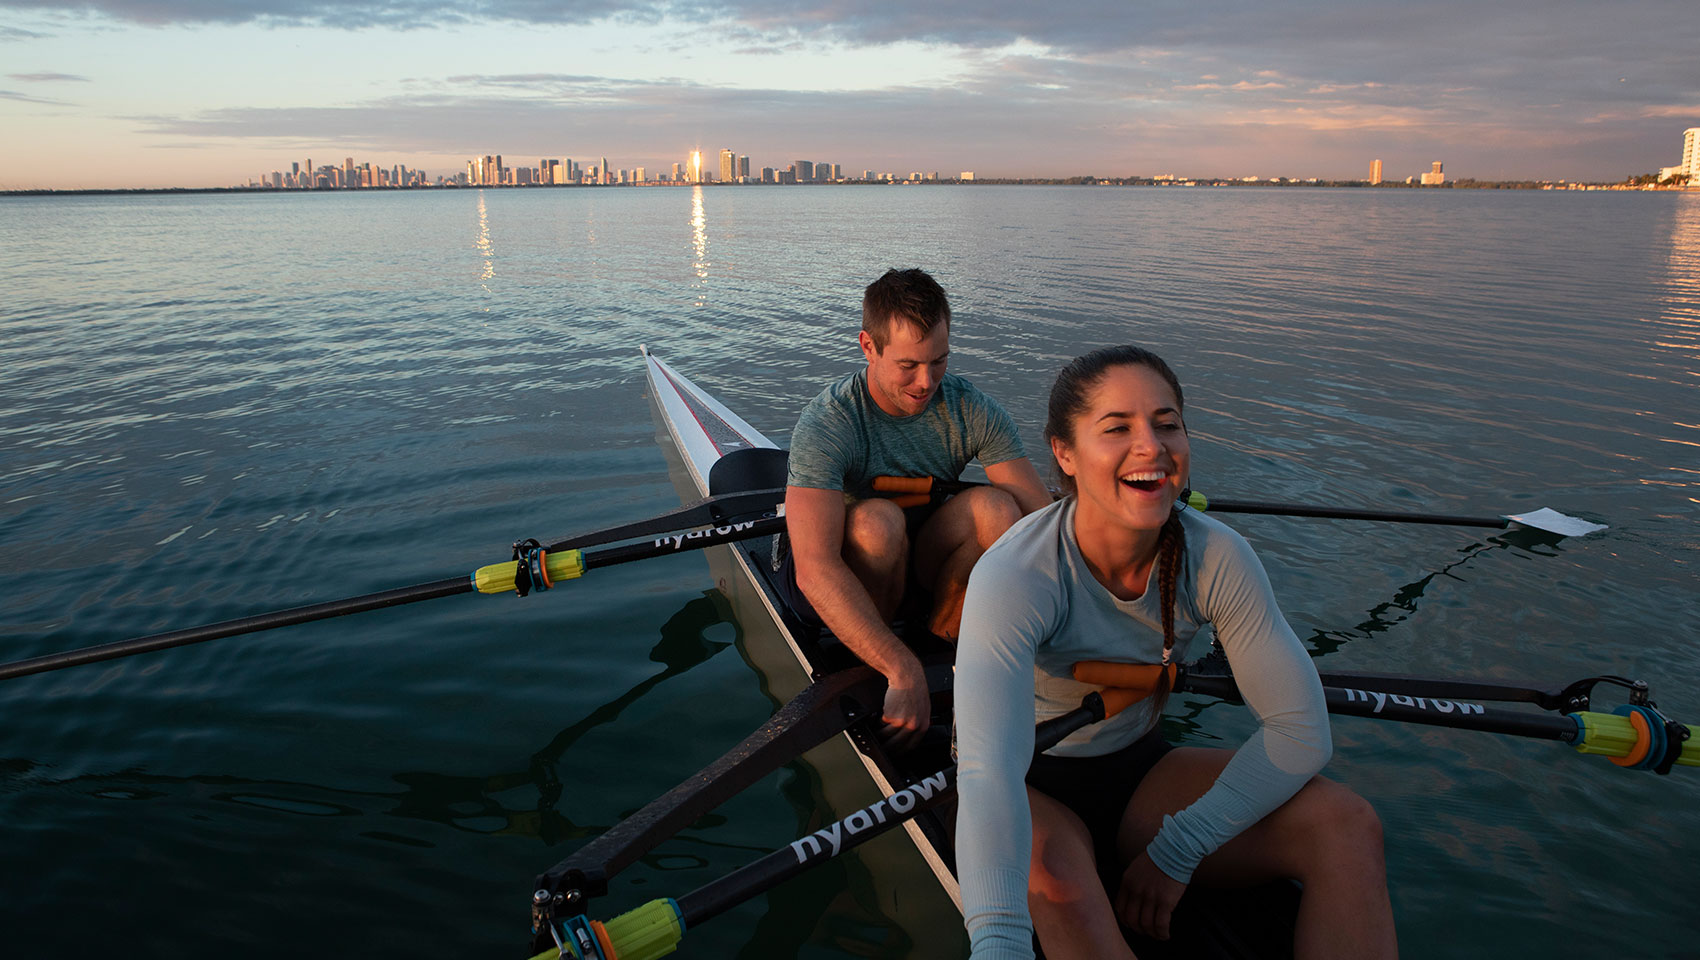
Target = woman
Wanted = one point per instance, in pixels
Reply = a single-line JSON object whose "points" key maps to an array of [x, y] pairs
{"points": [[1119, 822]]}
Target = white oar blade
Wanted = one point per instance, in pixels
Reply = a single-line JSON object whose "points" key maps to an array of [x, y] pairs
{"points": [[1552, 521]]}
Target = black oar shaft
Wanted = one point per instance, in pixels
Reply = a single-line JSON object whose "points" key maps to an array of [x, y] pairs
{"points": [[1342, 513], [882, 815], [229, 628], [1431, 710], [604, 557]]}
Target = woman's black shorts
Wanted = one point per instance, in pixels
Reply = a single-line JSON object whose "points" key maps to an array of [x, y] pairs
{"points": [[1098, 789]]}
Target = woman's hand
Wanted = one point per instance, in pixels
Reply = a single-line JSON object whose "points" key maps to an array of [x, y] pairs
{"points": [[1147, 897]]}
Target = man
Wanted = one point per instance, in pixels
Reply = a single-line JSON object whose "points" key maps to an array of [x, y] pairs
{"points": [[851, 554]]}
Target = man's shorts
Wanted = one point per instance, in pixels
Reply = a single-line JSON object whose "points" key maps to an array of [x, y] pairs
{"points": [[785, 567], [1098, 789]]}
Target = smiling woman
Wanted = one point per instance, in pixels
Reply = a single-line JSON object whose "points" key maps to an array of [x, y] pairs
{"points": [[1120, 824]]}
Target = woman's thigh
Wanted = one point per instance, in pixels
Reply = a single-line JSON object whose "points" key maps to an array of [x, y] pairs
{"points": [[1289, 842]]}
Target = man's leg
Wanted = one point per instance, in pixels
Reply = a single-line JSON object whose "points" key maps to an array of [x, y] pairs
{"points": [[949, 544], [876, 549]]}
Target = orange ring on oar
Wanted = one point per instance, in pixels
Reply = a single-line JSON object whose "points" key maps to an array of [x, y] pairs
{"points": [[1643, 741], [542, 567], [601, 931]]}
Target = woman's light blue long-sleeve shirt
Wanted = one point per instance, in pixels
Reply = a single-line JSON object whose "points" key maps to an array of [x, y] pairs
{"points": [[1034, 610]]}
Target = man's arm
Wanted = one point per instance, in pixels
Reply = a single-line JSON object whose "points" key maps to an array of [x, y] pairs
{"points": [[1018, 479], [815, 522]]}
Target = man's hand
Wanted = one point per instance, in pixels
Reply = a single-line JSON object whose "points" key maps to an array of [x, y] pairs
{"points": [[1147, 897], [908, 710]]}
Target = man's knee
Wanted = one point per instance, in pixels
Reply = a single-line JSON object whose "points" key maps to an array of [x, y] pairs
{"points": [[993, 512], [875, 528]]}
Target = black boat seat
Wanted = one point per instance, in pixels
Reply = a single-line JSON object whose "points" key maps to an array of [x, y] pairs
{"points": [[752, 468]]}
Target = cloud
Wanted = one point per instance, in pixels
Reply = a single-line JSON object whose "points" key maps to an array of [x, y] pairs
{"points": [[1045, 115], [1672, 110], [46, 77], [347, 14], [18, 33], [26, 98]]}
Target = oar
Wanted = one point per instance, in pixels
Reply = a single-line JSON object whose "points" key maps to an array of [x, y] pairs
{"points": [[1545, 518], [914, 491], [654, 929], [536, 567], [1637, 735]]}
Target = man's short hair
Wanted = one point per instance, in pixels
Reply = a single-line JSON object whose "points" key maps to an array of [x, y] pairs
{"points": [[912, 295]]}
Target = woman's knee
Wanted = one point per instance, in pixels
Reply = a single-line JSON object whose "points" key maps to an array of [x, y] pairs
{"points": [[1337, 825], [1059, 888]]}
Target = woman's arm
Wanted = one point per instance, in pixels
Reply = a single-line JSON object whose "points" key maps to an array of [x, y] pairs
{"points": [[1001, 629], [1278, 682]]}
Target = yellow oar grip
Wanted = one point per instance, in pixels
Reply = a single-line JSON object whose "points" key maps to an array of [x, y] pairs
{"points": [[499, 577], [1126, 683], [650, 931], [1620, 737], [1197, 501]]}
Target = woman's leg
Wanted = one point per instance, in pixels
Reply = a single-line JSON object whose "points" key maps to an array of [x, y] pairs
{"points": [[1070, 908], [1326, 837]]}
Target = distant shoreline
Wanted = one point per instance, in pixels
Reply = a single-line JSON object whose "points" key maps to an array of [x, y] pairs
{"points": [[1194, 182]]}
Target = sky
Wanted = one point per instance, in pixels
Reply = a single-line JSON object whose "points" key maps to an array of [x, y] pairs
{"points": [[199, 93]]}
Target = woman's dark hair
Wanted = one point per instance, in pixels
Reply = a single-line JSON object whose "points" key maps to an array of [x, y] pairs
{"points": [[1068, 400]]}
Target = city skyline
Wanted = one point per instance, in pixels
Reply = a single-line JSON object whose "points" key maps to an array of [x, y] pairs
{"points": [[172, 93]]}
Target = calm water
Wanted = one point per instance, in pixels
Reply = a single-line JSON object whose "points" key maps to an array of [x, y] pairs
{"points": [[215, 406]]}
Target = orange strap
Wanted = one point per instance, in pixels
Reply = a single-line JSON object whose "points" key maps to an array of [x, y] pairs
{"points": [[923, 485], [1126, 683]]}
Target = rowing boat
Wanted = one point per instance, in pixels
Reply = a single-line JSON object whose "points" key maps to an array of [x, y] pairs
{"points": [[714, 452], [735, 478]]}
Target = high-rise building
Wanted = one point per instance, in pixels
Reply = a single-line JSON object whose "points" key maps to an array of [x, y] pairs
{"points": [[1375, 171], [1691, 154], [695, 168], [728, 166], [678, 174], [804, 170], [743, 167], [766, 174], [641, 175], [1434, 177]]}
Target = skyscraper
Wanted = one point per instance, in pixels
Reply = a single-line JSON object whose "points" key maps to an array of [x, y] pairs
{"points": [[728, 166], [744, 167], [1375, 171], [804, 169], [1691, 154]]}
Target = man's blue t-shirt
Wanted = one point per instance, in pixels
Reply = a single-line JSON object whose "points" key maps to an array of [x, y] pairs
{"points": [[843, 439]]}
